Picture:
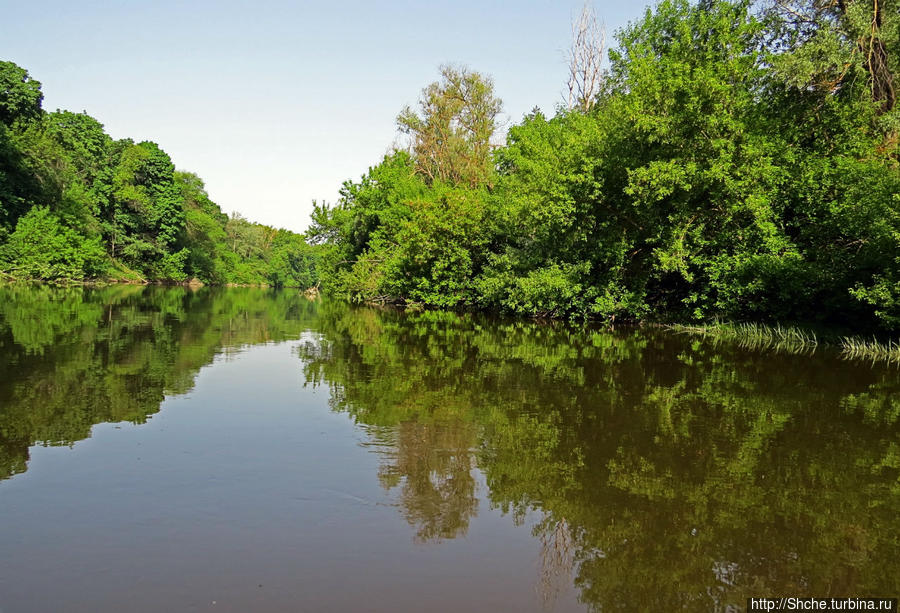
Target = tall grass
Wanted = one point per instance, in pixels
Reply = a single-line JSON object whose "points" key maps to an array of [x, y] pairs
{"points": [[758, 337], [788, 339], [855, 348]]}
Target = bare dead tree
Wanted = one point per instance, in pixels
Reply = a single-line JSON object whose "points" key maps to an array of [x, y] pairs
{"points": [[585, 59]]}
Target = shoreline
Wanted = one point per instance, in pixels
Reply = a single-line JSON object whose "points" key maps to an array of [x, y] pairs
{"points": [[754, 336]]}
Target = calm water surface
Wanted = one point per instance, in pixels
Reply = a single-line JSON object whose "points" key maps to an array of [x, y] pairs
{"points": [[245, 450]]}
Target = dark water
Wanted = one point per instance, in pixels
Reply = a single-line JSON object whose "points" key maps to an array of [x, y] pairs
{"points": [[244, 450]]}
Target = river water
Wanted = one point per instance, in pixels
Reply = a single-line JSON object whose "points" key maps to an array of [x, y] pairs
{"points": [[169, 449]]}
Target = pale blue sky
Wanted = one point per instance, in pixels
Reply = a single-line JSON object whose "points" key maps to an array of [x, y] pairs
{"points": [[276, 103]]}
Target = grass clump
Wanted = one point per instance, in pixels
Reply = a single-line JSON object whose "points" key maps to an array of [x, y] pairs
{"points": [[757, 337], [789, 339], [855, 348]]}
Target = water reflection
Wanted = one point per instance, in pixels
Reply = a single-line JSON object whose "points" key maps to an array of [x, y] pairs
{"points": [[431, 464], [669, 473], [75, 357], [664, 472]]}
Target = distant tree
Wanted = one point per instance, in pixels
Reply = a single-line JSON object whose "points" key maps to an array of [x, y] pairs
{"points": [[450, 138], [246, 238], [69, 193]]}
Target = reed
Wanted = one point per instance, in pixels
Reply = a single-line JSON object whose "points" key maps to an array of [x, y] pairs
{"points": [[789, 339], [856, 348], [755, 336]]}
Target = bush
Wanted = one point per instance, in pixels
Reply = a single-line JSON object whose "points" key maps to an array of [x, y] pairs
{"points": [[42, 247]]}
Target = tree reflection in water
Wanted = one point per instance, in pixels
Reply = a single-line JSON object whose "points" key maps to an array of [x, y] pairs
{"points": [[668, 472], [75, 357], [432, 464], [665, 472]]}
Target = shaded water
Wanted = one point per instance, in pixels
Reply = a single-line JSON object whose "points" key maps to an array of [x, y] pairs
{"points": [[237, 450]]}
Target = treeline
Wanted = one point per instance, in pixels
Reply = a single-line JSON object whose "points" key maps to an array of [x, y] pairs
{"points": [[735, 160], [76, 204]]}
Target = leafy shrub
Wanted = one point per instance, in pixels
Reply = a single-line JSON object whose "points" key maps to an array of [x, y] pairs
{"points": [[41, 247]]}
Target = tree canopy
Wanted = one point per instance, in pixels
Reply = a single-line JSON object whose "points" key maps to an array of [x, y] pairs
{"points": [[740, 161], [450, 137], [20, 95]]}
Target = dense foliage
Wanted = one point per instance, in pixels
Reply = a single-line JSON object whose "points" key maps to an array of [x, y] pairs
{"points": [[741, 162], [76, 204]]}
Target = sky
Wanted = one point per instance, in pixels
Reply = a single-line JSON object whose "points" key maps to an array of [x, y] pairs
{"points": [[275, 104]]}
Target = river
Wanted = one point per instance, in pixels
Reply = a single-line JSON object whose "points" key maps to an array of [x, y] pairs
{"points": [[249, 450]]}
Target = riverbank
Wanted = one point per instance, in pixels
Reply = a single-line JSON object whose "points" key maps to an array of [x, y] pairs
{"points": [[192, 283], [753, 336]]}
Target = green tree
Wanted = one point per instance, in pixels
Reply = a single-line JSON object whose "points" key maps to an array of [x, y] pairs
{"points": [[450, 137], [357, 229], [20, 104], [395, 238], [71, 180], [145, 216], [20, 95], [204, 231], [42, 247], [292, 262], [826, 46]]}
